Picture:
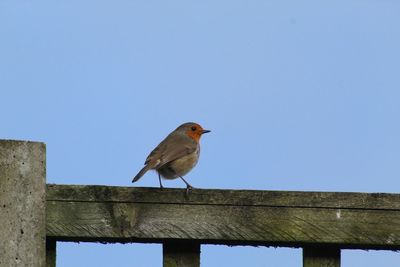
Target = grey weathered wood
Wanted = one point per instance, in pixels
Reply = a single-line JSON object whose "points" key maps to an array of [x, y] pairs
{"points": [[380, 201], [181, 254], [51, 253], [242, 217], [321, 257], [22, 203]]}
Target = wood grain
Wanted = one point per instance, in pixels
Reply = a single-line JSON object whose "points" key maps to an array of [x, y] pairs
{"points": [[232, 217]]}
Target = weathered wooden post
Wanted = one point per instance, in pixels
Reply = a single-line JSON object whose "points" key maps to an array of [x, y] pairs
{"points": [[181, 254], [321, 257], [51, 249], [22, 203]]}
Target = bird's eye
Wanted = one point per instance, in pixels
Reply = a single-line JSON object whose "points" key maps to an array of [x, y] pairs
{"points": [[194, 128]]}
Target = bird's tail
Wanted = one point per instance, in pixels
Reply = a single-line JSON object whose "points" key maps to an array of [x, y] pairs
{"points": [[140, 173]]}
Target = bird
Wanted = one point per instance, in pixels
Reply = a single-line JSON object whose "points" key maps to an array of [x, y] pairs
{"points": [[176, 155]]}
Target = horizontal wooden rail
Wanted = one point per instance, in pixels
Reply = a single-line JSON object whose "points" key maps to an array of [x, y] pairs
{"points": [[232, 217]]}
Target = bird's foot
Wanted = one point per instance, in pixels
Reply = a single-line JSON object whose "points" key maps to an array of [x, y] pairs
{"points": [[188, 188]]}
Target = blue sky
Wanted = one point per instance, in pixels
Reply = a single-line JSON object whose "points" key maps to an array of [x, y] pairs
{"points": [[299, 95]]}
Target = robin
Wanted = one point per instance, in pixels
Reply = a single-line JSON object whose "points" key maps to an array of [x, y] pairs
{"points": [[176, 155]]}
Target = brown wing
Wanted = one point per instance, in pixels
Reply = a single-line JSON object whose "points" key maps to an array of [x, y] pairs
{"points": [[171, 148]]}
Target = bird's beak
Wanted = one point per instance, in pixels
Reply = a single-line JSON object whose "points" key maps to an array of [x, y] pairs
{"points": [[205, 131]]}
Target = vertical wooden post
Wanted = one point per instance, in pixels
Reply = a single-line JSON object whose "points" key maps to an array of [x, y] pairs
{"points": [[51, 246], [22, 203], [321, 257], [181, 254]]}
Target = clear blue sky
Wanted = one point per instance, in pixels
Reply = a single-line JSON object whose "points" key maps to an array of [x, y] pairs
{"points": [[299, 95]]}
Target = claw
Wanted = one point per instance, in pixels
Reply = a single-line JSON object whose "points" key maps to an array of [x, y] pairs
{"points": [[188, 188]]}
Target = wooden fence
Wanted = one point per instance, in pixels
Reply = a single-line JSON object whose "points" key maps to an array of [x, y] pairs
{"points": [[321, 223]]}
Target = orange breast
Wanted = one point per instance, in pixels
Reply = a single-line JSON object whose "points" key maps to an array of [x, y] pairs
{"points": [[194, 135]]}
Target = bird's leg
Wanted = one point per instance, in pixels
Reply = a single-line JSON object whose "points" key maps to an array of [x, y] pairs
{"points": [[159, 179], [188, 186]]}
